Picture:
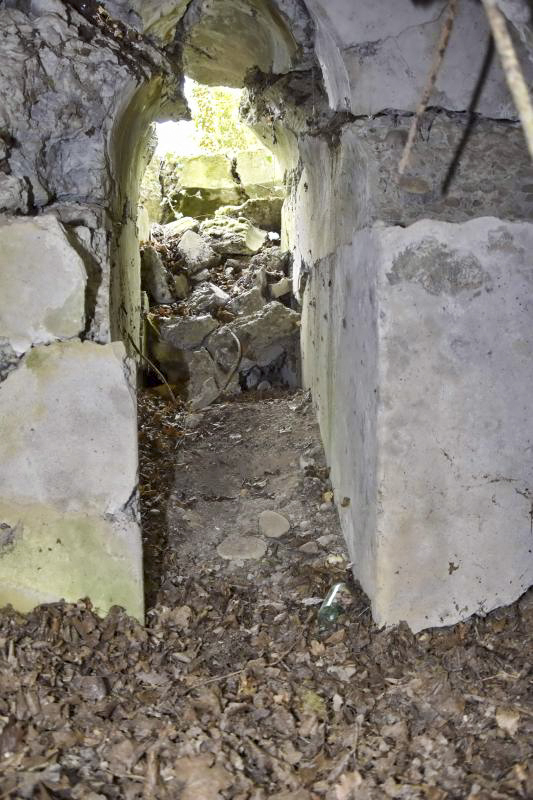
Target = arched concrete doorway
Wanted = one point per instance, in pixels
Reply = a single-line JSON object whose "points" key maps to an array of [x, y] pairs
{"points": [[422, 413]]}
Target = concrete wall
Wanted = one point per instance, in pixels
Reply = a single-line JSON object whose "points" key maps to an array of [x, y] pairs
{"points": [[416, 335], [415, 299]]}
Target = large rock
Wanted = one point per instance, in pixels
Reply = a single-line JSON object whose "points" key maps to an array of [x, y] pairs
{"points": [[187, 333], [203, 387], [248, 302], [262, 212], [233, 237], [263, 335], [196, 252], [154, 276], [42, 283], [180, 226], [201, 184], [68, 473], [207, 298]]}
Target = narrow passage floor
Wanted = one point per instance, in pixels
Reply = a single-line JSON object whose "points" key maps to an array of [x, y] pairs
{"points": [[232, 689]]}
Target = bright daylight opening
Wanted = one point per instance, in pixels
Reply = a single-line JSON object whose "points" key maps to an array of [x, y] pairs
{"points": [[210, 229]]}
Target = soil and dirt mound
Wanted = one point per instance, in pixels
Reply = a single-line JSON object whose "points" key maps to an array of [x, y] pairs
{"points": [[232, 689]]}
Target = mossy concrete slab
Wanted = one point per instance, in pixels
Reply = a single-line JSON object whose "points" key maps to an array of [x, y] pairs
{"points": [[207, 172], [42, 283], [47, 555], [68, 429], [260, 173]]}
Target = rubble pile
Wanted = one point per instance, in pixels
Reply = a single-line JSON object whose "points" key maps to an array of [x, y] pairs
{"points": [[220, 318]]}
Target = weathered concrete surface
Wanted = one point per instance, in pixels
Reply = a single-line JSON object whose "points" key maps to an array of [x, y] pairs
{"points": [[47, 555], [429, 334], [70, 405], [388, 50], [68, 475], [42, 283]]}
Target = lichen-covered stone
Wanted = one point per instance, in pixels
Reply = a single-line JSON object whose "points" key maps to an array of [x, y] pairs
{"points": [[233, 237], [47, 555]]}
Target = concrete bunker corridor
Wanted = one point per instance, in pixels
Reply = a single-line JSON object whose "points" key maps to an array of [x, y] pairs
{"points": [[418, 407], [395, 484]]}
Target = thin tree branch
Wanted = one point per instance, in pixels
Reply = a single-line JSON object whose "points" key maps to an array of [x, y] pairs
{"points": [[512, 70], [444, 38]]}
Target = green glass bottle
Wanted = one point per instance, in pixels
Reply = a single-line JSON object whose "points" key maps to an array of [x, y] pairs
{"points": [[331, 609]]}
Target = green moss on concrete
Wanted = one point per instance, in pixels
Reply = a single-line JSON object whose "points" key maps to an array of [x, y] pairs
{"points": [[46, 555]]}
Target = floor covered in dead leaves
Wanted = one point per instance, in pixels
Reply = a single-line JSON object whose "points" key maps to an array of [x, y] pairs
{"points": [[231, 690]]}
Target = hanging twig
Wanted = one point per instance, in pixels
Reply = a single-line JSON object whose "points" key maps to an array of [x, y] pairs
{"points": [[512, 70], [444, 38], [156, 370]]}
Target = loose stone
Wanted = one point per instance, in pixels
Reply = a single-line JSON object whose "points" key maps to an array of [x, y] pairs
{"points": [[238, 547], [273, 525]]}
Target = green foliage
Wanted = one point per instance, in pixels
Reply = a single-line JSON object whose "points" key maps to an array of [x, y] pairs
{"points": [[215, 111]]}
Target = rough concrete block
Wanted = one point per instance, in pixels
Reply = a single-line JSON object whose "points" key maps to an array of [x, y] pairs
{"points": [[47, 555], [429, 336], [68, 429], [42, 283], [68, 475]]}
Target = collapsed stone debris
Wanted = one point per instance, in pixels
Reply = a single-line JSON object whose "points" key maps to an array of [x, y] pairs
{"points": [[220, 319]]}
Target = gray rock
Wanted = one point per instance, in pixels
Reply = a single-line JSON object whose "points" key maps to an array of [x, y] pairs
{"points": [[207, 298], [154, 277], [196, 252], [281, 288], [181, 286], [272, 259], [180, 226], [223, 348], [13, 194], [262, 333], [8, 358], [325, 541], [264, 212], [203, 387], [264, 386], [238, 547], [273, 525], [187, 333], [248, 302], [233, 236], [201, 277], [309, 548]]}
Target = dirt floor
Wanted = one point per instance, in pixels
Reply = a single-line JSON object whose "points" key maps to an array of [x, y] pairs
{"points": [[233, 689]]}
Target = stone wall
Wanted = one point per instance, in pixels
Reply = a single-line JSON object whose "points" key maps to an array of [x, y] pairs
{"points": [[416, 320]]}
